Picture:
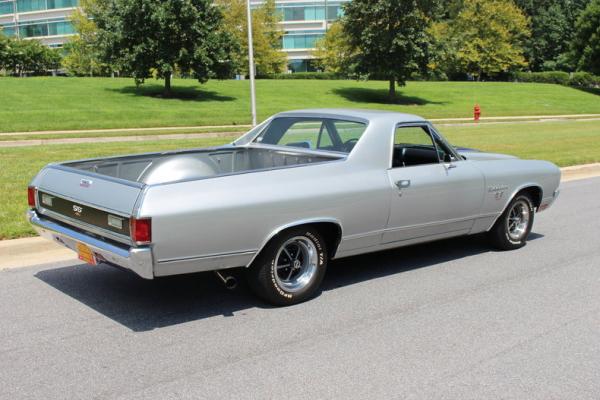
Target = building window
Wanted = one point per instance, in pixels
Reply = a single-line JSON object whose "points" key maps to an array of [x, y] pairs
{"points": [[301, 66], [46, 28], [310, 13], [301, 39], [7, 7], [37, 5]]}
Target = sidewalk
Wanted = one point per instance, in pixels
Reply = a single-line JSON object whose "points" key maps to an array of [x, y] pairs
{"points": [[175, 128], [36, 250]]}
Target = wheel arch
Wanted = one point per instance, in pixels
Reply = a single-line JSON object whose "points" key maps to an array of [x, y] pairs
{"points": [[329, 228], [533, 189]]}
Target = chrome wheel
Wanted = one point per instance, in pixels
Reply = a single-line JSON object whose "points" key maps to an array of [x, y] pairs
{"points": [[296, 263], [518, 220]]}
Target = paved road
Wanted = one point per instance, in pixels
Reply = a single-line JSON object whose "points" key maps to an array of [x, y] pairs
{"points": [[450, 320]]}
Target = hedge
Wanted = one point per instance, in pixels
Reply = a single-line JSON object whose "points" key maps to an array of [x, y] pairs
{"points": [[304, 75], [576, 79]]}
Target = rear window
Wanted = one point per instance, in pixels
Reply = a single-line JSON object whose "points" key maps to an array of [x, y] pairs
{"points": [[313, 133]]}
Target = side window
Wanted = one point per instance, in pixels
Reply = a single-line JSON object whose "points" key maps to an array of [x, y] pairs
{"points": [[413, 145], [313, 133], [308, 134]]}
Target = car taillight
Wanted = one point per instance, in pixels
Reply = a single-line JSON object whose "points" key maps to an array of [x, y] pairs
{"points": [[31, 196], [141, 230]]}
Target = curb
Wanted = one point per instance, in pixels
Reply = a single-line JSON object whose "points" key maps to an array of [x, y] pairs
{"points": [[28, 252]]}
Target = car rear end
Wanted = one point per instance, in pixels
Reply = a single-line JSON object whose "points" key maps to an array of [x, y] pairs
{"points": [[93, 215]]}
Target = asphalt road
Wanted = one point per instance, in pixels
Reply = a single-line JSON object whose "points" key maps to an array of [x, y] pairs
{"points": [[449, 320]]}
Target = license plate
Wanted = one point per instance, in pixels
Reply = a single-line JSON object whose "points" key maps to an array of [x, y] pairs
{"points": [[86, 254]]}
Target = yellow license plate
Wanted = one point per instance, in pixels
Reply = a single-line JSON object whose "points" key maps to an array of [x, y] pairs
{"points": [[86, 254]]}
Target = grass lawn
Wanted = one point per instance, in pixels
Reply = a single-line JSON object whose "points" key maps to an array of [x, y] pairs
{"points": [[28, 104], [235, 131], [564, 143]]}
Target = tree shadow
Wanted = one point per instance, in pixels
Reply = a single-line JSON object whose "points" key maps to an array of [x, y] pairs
{"points": [[595, 91], [186, 93], [143, 305], [380, 96]]}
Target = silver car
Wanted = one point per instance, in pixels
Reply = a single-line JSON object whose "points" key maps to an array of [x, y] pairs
{"points": [[302, 188]]}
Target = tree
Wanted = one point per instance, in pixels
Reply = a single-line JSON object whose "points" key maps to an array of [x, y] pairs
{"points": [[586, 43], [487, 37], [389, 37], [141, 36], [552, 29], [4, 50], [28, 56], [82, 53], [333, 52], [266, 35]]}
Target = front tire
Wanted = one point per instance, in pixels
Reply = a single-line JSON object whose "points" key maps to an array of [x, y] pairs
{"points": [[511, 230], [290, 269]]}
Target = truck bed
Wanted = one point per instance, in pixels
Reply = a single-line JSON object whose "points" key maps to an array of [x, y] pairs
{"points": [[158, 168]]}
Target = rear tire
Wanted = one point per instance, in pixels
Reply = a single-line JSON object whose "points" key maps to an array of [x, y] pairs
{"points": [[291, 267], [511, 230]]}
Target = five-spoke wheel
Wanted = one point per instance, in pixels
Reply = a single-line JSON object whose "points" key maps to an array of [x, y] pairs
{"points": [[291, 267]]}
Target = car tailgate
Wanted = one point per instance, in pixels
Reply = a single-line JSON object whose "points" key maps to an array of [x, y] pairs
{"points": [[87, 200]]}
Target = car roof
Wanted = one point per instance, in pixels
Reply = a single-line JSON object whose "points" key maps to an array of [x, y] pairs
{"points": [[342, 113]]}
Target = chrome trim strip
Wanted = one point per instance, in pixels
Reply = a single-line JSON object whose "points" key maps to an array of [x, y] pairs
{"points": [[447, 221], [207, 256]]}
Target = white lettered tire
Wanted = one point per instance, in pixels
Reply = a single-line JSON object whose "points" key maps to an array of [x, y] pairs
{"points": [[291, 267]]}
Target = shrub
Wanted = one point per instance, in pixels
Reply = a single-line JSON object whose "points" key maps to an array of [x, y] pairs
{"points": [[557, 77], [304, 75], [584, 80]]}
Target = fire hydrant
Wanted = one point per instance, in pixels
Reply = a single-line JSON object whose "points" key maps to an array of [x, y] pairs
{"points": [[476, 112]]}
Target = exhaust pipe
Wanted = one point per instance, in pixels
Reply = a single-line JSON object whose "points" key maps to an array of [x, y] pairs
{"points": [[229, 281]]}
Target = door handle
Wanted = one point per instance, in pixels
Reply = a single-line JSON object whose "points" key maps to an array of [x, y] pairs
{"points": [[402, 184]]}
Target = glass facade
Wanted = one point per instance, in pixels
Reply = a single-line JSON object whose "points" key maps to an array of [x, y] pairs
{"points": [[40, 28], [7, 7], [22, 6], [301, 39], [37, 26], [310, 11]]}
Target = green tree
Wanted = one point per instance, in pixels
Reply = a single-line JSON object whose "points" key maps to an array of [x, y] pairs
{"points": [[4, 50], [586, 43], [82, 52], [552, 29], [266, 35], [487, 37], [29, 56], [140, 37], [333, 52], [389, 36]]}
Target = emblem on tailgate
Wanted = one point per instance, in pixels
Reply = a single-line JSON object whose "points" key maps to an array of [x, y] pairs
{"points": [[77, 210], [85, 183]]}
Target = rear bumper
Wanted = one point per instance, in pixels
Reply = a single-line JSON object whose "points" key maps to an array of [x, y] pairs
{"points": [[136, 259]]}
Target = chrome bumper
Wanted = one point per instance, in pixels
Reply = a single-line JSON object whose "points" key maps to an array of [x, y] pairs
{"points": [[139, 260], [547, 201]]}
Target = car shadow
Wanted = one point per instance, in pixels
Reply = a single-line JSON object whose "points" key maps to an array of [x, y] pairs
{"points": [[177, 93], [143, 305], [380, 96]]}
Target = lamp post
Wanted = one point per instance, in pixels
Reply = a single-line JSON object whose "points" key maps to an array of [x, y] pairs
{"points": [[326, 21], [251, 64]]}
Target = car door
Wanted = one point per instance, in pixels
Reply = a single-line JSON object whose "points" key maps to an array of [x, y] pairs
{"points": [[435, 193]]}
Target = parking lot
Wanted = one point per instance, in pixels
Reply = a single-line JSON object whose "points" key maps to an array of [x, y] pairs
{"points": [[451, 319]]}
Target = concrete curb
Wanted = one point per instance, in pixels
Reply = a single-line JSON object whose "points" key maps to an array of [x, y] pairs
{"points": [[28, 252]]}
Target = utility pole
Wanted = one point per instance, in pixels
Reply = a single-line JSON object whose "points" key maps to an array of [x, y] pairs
{"points": [[251, 63]]}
